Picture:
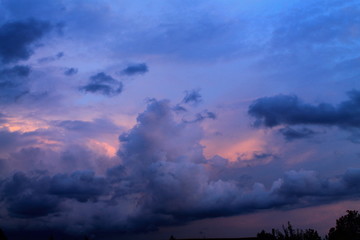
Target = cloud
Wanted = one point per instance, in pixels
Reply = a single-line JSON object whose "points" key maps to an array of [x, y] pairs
{"points": [[134, 69], [14, 83], [26, 197], [290, 110], [70, 71], [51, 58], [162, 178], [97, 125], [40, 195], [178, 108], [16, 71], [293, 134], [17, 39], [81, 185], [192, 97], [199, 117], [103, 84]]}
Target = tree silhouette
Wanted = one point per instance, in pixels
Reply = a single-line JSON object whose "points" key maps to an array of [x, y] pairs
{"points": [[347, 227], [2, 235], [289, 233]]}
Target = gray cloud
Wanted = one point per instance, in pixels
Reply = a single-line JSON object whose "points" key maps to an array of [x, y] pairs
{"points": [[291, 134], [70, 71], [41, 195], [290, 110], [103, 84], [17, 39], [192, 97], [134, 69], [81, 185], [162, 179], [14, 83]]}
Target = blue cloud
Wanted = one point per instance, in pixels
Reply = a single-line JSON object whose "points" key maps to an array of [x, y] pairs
{"points": [[134, 69], [103, 84], [17, 39]]}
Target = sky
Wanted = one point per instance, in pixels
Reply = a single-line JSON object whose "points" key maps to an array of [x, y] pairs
{"points": [[192, 118]]}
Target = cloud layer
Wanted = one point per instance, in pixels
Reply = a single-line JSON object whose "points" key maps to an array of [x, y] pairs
{"points": [[290, 110], [163, 179]]}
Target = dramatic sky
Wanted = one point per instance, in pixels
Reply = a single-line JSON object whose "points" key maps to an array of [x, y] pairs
{"points": [[197, 118]]}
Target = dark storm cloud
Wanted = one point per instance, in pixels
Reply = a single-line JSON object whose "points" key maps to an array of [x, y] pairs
{"points": [[39, 195], [163, 179], [290, 110], [134, 69], [81, 185], [192, 97], [14, 83], [16, 71], [26, 197], [32, 206], [293, 134], [17, 39], [104, 84], [71, 71]]}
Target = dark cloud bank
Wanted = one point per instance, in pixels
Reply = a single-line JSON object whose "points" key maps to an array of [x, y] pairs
{"points": [[289, 110], [17, 39], [14, 83], [163, 179]]}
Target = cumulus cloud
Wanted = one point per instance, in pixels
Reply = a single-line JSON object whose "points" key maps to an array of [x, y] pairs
{"points": [[134, 69], [17, 39], [162, 178], [290, 110], [103, 84], [40, 195]]}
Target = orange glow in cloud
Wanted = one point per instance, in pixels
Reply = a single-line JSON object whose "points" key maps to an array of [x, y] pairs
{"points": [[102, 147], [23, 125], [234, 151], [126, 121]]}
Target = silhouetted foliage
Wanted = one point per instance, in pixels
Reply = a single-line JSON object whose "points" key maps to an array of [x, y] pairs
{"points": [[289, 233], [2, 235], [347, 227]]}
